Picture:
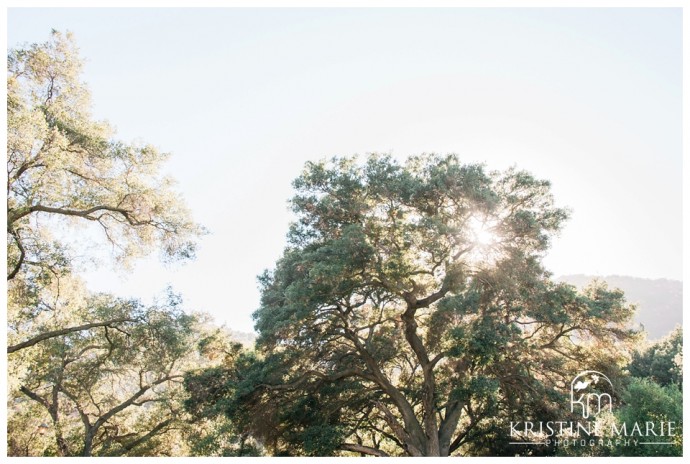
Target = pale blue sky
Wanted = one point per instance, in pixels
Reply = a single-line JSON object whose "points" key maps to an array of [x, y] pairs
{"points": [[588, 98]]}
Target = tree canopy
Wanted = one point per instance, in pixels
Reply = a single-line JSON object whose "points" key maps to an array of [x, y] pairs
{"points": [[109, 388], [410, 312], [661, 362], [89, 373], [64, 165]]}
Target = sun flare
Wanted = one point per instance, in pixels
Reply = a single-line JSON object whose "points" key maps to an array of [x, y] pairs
{"points": [[482, 232]]}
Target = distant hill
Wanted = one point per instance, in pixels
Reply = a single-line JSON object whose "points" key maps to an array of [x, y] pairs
{"points": [[659, 301], [245, 338]]}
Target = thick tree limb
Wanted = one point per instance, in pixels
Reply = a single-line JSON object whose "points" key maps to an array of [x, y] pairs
{"points": [[60, 332], [398, 430], [144, 438], [414, 303], [22, 253], [363, 449], [125, 404], [429, 384], [34, 397], [79, 213], [30, 164], [324, 378], [15, 215], [461, 437], [412, 426], [448, 426]]}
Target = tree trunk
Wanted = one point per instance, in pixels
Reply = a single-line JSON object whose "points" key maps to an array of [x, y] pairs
{"points": [[88, 441], [62, 445], [448, 426]]}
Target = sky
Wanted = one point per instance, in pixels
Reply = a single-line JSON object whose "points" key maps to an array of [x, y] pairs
{"points": [[587, 98]]}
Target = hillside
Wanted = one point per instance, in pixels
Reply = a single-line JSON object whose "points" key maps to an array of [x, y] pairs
{"points": [[245, 338], [659, 301]]}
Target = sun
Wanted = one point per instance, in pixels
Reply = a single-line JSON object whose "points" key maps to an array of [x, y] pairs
{"points": [[482, 231], [484, 240]]}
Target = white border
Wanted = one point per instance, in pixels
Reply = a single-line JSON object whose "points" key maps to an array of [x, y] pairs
{"points": [[357, 4]]}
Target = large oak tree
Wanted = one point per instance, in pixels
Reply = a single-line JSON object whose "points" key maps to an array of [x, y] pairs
{"points": [[410, 314]]}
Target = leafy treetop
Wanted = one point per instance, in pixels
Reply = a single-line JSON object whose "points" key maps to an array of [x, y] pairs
{"points": [[410, 312], [62, 164]]}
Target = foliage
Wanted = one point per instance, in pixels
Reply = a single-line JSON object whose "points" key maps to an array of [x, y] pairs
{"points": [[111, 389], [410, 309], [213, 433], [63, 165], [651, 393], [659, 302], [646, 401], [410, 313], [89, 374], [661, 362]]}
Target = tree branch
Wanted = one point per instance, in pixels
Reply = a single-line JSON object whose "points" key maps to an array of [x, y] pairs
{"points": [[57, 333], [448, 425], [125, 404], [459, 439], [84, 417], [412, 426], [130, 446], [22, 252], [324, 377], [558, 336], [363, 449], [398, 430], [35, 397], [84, 213]]}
